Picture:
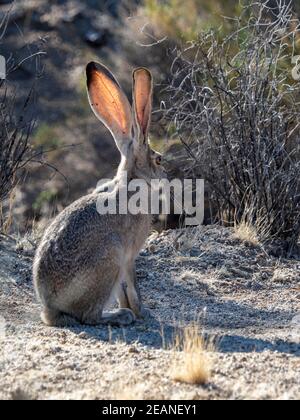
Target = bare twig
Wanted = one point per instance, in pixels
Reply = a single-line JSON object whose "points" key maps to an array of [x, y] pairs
{"points": [[238, 106], [16, 124]]}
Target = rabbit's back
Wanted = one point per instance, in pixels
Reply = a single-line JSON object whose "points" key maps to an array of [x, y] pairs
{"points": [[80, 238]]}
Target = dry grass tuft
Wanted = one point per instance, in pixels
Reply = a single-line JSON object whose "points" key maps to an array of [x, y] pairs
{"points": [[246, 232], [284, 275], [191, 363]]}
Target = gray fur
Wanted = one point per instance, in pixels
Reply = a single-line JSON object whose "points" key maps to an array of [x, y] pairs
{"points": [[85, 258]]}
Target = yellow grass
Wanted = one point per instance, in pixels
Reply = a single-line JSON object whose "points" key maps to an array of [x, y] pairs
{"points": [[191, 363], [247, 233]]}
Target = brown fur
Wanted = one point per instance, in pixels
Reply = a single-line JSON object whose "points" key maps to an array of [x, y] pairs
{"points": [[85, 258]]}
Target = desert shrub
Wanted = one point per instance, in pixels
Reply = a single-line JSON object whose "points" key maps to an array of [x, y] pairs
{"points": [[14, 147], [181, 20], [162, 24], [235, 106], [16, 121]]}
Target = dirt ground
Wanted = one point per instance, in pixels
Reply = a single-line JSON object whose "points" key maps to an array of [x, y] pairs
{"points": [[245, 300]]}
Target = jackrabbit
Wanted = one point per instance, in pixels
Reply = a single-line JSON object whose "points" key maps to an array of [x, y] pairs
{"points": [[86, 258]]}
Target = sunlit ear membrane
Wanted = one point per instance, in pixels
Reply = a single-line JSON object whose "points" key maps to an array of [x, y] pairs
{"points": [[142, 100], [109, 102]]}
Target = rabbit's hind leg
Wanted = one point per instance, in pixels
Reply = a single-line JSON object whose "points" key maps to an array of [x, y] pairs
{"points": [[120, 317], [56, 318]]}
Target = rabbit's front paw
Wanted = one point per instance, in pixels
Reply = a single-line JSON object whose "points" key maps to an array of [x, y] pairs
{"points": [[126, 317]]}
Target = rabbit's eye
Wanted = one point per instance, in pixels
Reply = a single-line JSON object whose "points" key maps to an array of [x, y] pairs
{"points": [[158, 160]]}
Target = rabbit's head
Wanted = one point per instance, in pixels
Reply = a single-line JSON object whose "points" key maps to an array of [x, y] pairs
{"points": [[128, 125]]}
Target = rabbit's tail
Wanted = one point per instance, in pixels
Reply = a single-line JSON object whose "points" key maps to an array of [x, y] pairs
{"points": [[55, 318]]}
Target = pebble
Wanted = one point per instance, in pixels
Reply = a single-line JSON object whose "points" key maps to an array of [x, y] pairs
{"points": [[194, 252], [83, 336], [152, 249], [133, 350]]}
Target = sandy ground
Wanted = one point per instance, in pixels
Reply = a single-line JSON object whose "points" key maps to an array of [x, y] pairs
{"points": [[245, 300]]}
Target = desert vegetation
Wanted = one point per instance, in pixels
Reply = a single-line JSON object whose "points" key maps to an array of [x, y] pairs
{"points": [[17, 122], [192, 356], [223, 298], [236, 109]]}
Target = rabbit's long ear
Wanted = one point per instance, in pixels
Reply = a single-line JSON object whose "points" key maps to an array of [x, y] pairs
{"points": [[142, 101], [109, 102]]}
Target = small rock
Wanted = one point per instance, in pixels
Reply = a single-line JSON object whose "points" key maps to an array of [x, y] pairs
{"points": [[55, 350], [83, 336], [143, 253], [194, 252], [152, 249], [133, 349]]}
